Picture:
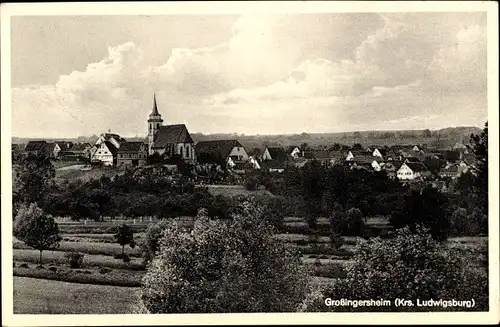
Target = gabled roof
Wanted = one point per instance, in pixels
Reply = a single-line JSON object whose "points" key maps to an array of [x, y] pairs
{"points": [[118, 138], [415, 166], [412, 159], [453, 169], [35, 146], [131, 147], [111, 147], [277, 153], [321, 154], [220, 147], [360, 159], [80, 147], [171, 134], [65, 145], [273, 164]]}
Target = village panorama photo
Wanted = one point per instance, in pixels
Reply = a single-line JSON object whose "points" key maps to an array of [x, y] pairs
{"points": [[248, 162]]}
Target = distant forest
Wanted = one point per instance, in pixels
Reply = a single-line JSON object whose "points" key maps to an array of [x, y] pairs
{"points": [[442, 138]]}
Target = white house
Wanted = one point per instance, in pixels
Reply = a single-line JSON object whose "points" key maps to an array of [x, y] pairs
{"points": [[409, 171], [295, 153], [254, 162], [229, 151], [377, 153], [105, 152]]}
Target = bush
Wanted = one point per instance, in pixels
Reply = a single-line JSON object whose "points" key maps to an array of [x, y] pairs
{"points": [[104, 270], [111, 230], [118, 256], [150, 243], [75, 259], [23, 265], [126, 258], [224, 266], [40, 267], [414, 266], [54, 269]]}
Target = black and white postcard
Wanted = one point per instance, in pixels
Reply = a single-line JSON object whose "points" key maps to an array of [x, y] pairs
{"points": [[249, 163]]}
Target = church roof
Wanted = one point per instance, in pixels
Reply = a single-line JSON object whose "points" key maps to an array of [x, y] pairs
{"points": [[221, 147], [171, 134]]}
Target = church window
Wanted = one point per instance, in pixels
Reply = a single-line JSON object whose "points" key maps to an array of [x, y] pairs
{"points": [[181, 151], [158, 125]]}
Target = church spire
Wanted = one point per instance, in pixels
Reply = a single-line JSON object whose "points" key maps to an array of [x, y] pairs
{"points": [[155, 108]]}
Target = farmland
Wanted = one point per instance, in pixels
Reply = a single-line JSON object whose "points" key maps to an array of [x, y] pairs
{"points": [[101, 275]]}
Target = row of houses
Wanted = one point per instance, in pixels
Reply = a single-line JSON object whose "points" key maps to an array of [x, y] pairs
{"points": [[64, 150]]}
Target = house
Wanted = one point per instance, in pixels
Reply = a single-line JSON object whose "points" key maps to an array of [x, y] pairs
{"points": [[254, 161], [105, 153], [132, 154], [453, 170], [295, 151], [352, 154], [51, 150], [378, 153], [65, 145], [322, 156], [412, 170], [367, 161], [391, 167], [412, 160], [106, 148], [299, 162], [81, 149], [230, 152], [35, 147], [169, 140], [274, 153]]}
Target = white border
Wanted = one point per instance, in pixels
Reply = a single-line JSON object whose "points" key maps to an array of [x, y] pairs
{"points": [[217, 8]]}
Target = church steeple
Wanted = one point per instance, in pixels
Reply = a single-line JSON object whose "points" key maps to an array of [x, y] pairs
{"points": [[154, 124], [155, 108]]}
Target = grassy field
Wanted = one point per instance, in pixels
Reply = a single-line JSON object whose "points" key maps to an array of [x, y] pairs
{"points": [[95, 260], [39, 296], [96, 241]]}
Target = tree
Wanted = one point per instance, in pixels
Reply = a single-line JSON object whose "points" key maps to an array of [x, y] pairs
{"points": [[355, 221], [427, 208], [357, 147], [36, 229], [125, 236], [480, 147], [32, 176], [224, 266]]}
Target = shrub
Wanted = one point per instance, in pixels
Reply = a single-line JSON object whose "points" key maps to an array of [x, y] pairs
{"points": [[40, 267], [118, 256], [75, 259], [150, 243], [111, 230], [104, 270], [414, 266], [23, 265], [126, 258], [224, 266], [54, 269]]}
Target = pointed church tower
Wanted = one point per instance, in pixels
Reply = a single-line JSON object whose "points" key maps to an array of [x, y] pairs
{"points": [[154, 123]]}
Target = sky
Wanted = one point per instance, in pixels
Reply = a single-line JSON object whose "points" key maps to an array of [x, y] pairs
{"points": [[251, 74]]}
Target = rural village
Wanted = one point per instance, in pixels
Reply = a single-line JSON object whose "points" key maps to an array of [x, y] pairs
{"points": [[315, 162], [320, 201]]}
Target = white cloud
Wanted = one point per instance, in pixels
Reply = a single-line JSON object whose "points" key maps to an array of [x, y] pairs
{"points": [[274, 75]]}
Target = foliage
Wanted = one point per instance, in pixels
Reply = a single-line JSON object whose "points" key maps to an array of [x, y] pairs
{"points": [[75, 259], [151, 242], [32, 177], [36, 229], [428, 208], [411, 266], [480, 146], [125, 236], [224, 266]]}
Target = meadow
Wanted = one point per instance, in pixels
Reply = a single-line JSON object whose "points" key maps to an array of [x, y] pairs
{"points": [[102, 276]]}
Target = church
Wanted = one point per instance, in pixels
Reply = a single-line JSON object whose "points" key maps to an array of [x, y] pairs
{"points": [[168, 140]]}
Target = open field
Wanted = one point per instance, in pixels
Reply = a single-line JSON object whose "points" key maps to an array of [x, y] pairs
{"points": [[57, 257], [102, 277], [92, 248], [39, 296]]}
